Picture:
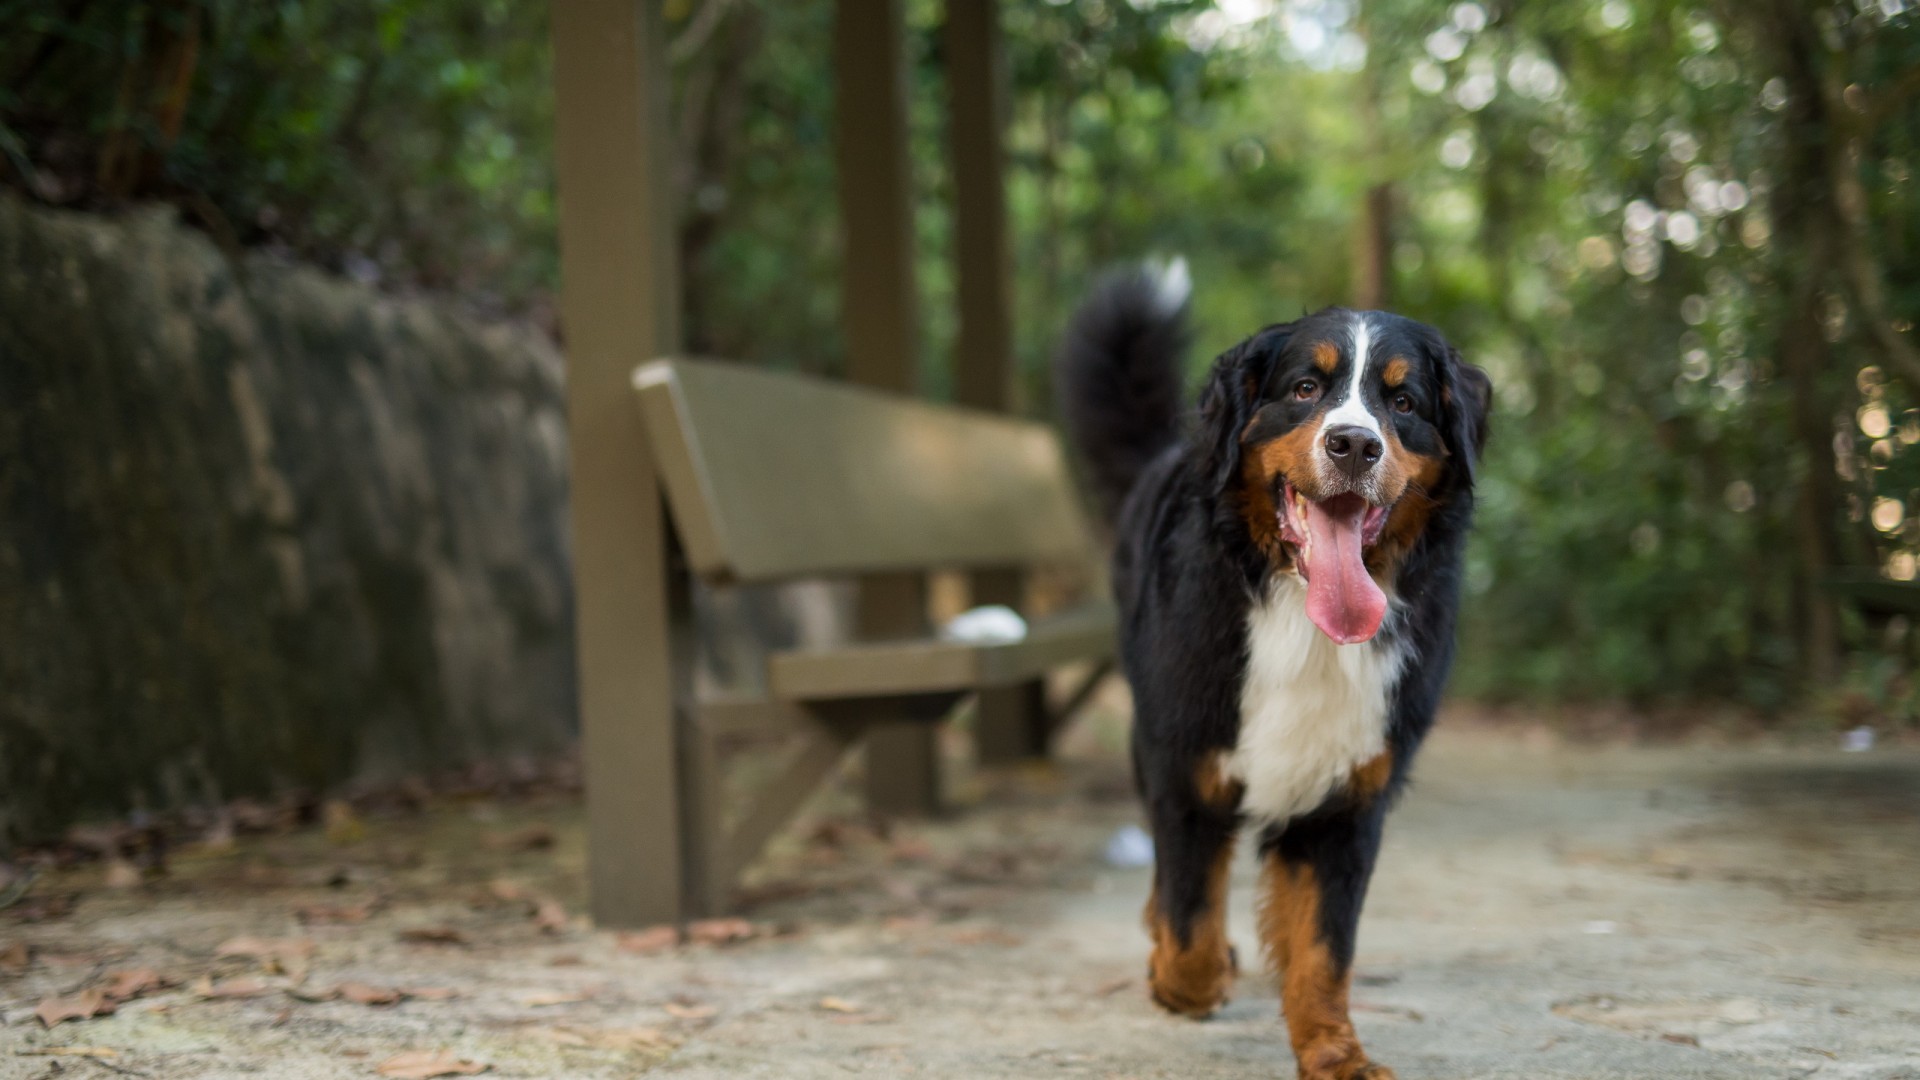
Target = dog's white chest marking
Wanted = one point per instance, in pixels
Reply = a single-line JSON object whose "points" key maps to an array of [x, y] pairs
{"points": [[1310, 711]]}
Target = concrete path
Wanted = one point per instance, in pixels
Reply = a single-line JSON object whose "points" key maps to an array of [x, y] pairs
{"points": [[1542, 910]]}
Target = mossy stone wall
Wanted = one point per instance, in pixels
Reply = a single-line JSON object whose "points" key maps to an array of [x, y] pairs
{"points": [[261, 526]]}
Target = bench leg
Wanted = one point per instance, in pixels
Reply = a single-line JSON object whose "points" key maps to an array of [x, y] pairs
{"points": [[903, 768], [903, 757], [704, 882], [1011, 723], [705, 877]]}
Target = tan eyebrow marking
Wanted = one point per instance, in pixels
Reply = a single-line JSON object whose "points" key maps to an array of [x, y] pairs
{"points": [[1397, 371], [1326, 356]]}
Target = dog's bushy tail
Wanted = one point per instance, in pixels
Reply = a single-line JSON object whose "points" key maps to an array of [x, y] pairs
{"points": [[1118, 377]]}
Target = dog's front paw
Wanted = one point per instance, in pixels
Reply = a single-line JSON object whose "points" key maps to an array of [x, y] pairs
{"points": [[1192, 982], [1339, 1058]]}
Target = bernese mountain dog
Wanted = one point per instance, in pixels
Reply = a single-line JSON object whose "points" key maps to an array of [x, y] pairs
{"points": [[1287, 568]]}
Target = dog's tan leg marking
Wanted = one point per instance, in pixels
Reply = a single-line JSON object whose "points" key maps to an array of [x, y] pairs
{"points": [[1192, 977], [1313, 988]]}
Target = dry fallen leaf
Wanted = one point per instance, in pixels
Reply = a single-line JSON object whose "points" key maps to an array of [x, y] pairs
{"points": [[1391, 1010], [427, 1064], [773, 892], [260, 948], [102, 1053], [1685, 1039], [839, 1005], [43, 908], [550, 916], [690, 1010], [654, 939], [531, 838], [628, 1039], [230, 989], [256, 817], [362, 994], [343, 826], [84, 1005], [1112, 987], [130, 984], [719, 931], [122, 874], [430, 993], [542, 998], [433, 935], [984, 936], [16, 957], [910, 850], [219, 837], [336, 913], [508, 891]]}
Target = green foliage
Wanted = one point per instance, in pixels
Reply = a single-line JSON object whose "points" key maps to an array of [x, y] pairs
{"points": [[406, 139], [1675, 233], [1616, 262]]}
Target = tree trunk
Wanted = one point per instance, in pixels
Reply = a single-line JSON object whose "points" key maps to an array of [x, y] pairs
{"points": [[1371, 273], [1808, 265], [1373, 249], [153, 98], [713, 52]]}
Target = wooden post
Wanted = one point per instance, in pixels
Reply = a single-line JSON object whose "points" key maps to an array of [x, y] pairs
{"points": [[976, 156], [1011, 722], [879, 311], [1371, 281], [879, 303], [620, 306]]}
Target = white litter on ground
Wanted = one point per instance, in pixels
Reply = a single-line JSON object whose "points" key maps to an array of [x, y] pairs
{"points": [[1129, 846], [993, 624]]}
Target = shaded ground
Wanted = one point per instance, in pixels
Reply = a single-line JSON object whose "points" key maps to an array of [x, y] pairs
{"points": [[1543, 910]]}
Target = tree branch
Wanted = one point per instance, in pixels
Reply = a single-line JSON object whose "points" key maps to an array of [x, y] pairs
{"points": [[699, 28], [1863, 279]]}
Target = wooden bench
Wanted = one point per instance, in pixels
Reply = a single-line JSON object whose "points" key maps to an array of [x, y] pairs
{"points": [[772, 478]]}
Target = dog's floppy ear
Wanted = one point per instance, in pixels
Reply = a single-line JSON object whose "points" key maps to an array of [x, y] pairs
{"points": [[1466, 398], [1228, 402]]}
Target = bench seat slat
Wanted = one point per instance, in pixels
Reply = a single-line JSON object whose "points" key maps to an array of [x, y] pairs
{"points": [[928, 665]]}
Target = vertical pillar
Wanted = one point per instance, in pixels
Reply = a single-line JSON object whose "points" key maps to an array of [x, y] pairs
{"points": [[1011, 723], [976, 156], [879, 302], [620, 305], [879, 311]]}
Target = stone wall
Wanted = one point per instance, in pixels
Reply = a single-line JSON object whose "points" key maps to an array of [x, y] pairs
{"points": [[261, 527]]}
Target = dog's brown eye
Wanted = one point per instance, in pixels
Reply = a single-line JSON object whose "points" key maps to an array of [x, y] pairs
{"points": [[1402, 403], [1305, 389]]}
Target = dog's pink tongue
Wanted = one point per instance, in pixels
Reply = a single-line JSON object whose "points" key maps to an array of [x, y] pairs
{"points": [[1342, 598]]}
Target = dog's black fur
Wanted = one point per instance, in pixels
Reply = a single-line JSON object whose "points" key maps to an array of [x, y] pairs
{"points": [[1189, 561]]}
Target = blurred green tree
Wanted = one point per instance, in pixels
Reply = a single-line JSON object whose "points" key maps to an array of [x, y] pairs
{"points": [[1681, 234]]}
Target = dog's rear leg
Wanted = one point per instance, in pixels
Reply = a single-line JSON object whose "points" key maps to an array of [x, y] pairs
{"points": [[1192, 965], [1314, 879]]}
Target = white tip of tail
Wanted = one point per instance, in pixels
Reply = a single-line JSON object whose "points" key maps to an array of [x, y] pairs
{"points": [[1173, 283]]}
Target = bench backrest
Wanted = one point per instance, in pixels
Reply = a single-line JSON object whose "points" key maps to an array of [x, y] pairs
{"points": [[774, 476]]}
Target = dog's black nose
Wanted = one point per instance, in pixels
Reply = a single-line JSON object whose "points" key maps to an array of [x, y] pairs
{"points": [[1354, 449]]}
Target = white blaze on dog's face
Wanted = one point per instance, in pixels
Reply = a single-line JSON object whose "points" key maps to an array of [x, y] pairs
{"points": [[1345, 446]]}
